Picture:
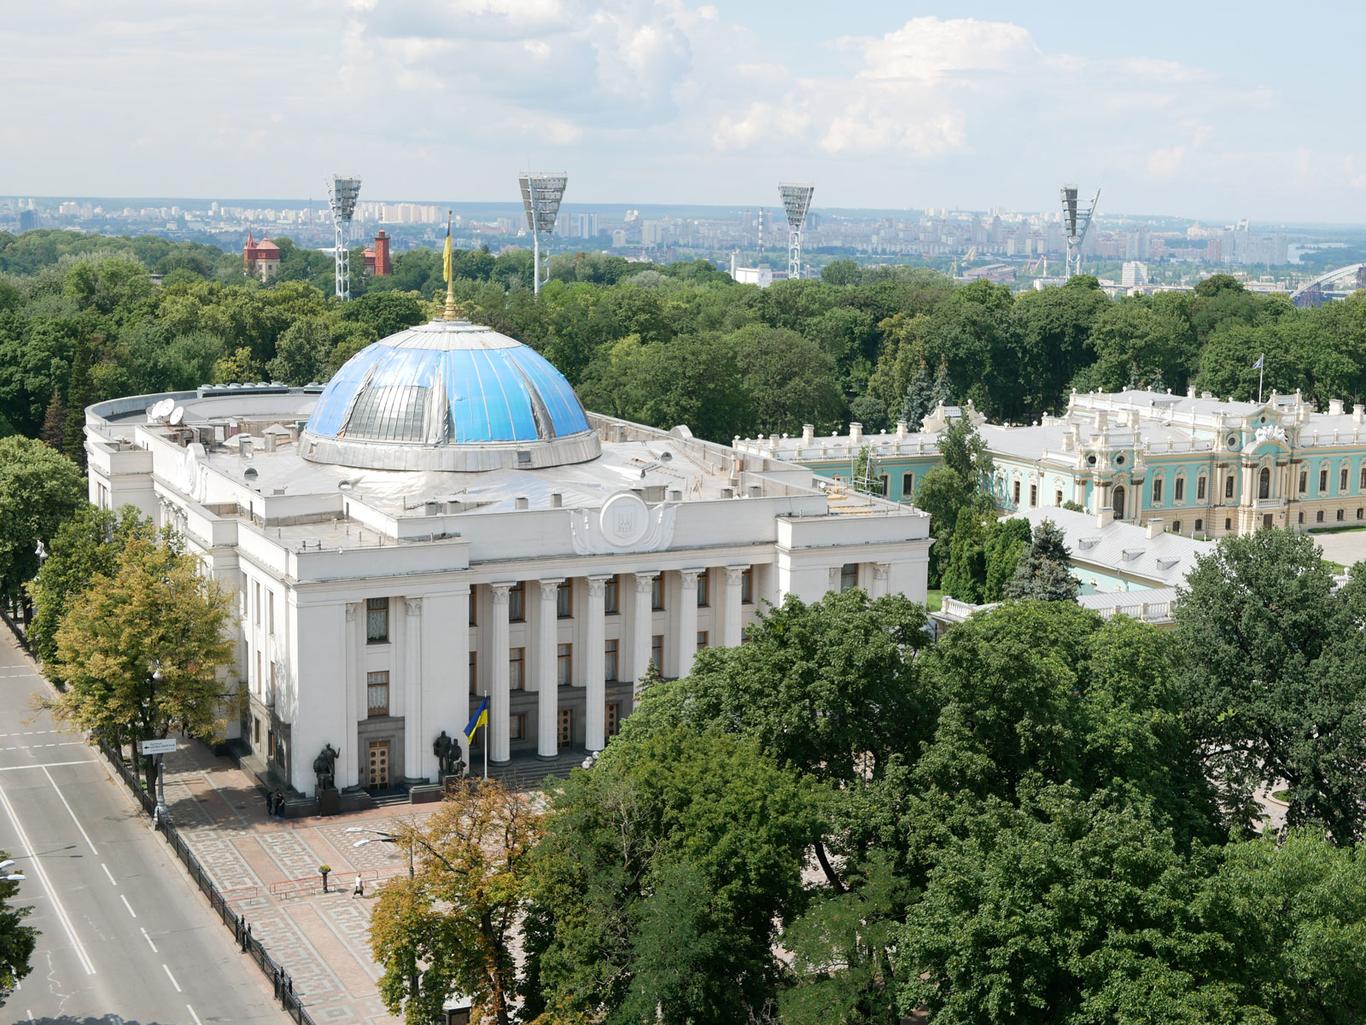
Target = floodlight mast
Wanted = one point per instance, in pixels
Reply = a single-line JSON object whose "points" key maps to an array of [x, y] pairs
{"points": [[796, 202], [542, 192], [1075, 223], [342, 193]]}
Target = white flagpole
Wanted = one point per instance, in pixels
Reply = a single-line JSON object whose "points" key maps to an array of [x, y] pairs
{"points": [[486, 751], [1261, 376]]}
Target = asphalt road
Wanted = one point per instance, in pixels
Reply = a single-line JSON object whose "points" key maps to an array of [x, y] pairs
{"points": [[127, 939]]}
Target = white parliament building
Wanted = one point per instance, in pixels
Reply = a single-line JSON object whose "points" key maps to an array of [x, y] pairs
{"points": [[443, 521]]}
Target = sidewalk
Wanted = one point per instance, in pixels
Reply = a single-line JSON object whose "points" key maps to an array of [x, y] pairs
{"points": [[262, 868]]}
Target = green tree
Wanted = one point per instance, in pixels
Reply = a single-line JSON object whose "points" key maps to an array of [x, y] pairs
{"points": [[1007, 542], [452, 928], [142, 650], [85, 546], [958, 483], [1045, 571], [39, 488], [966, 571], [17, 940], [663, 871], [1276, 668], [788, 380]]}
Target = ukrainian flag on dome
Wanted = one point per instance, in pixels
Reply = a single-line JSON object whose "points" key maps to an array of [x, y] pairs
{"points": [[446, 255], [479, 718]]}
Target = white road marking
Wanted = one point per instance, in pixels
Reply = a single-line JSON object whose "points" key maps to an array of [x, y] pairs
{"points": [[48, 765], [128, 906], [149, 940], [71, 813], [193, 1015], [172, 978], [47, 885], [108, 873]]}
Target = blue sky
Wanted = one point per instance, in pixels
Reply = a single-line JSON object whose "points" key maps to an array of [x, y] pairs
{"points": [[1210, 110]]}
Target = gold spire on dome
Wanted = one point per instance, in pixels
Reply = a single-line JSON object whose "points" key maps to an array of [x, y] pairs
{"points": [[452, 311]]}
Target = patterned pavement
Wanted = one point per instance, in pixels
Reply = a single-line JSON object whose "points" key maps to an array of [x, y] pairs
{"points": [[269, 872]]}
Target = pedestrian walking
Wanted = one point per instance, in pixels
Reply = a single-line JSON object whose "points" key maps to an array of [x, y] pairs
{"points": [[270, 805], [279, 806], [359, 889]]}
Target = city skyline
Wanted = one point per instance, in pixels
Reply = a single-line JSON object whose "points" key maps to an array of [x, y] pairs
{"points": [[882, 107]]}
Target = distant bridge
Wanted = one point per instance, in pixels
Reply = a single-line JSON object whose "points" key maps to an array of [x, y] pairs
{"points": [[1313, 293]]}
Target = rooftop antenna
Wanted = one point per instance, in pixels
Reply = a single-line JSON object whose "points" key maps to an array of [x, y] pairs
{"points": [[1075, 223], [342, 193], [542, 192], [796, 203]]}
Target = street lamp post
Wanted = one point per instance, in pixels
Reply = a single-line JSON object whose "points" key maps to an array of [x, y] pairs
{"points": [[382, 837]]}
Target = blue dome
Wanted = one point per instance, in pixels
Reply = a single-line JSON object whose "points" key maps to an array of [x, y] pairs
{"points": [[448, 395]]}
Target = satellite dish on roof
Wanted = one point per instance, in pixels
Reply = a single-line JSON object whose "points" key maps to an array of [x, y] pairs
{"points": [[177, 416], [159, 411]]}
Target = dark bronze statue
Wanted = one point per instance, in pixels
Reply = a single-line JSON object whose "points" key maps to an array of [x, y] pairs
{"points": [[325, 767], [447, 752]]}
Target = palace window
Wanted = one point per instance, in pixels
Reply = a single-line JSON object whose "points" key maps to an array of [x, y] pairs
{"points": [[849, 573], [703, 579], [1157, 491], [1342, 515], [610, 661], [474, 604], [1200, 489], [516, 726], [1323, 480], [1033, 495], [1304, 481], [1015, 492], [701, 639], [1176, 527], [657, 592], [1318, 516], [517, 668], [474, 672], [907, 485], [517, 602], [564, 600], [1361, 482], [1057, 498], [1199, 525], [377, 620], [564, 665], [1342, 480], [377, 694], [747, 586], [1228, 486], [611, 596], [1179, 490], [1228, 523], [657, 651]]}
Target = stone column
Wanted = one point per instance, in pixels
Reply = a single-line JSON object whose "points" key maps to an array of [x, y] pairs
{"points": [[445, 673], [499, 733], [642, 627], [544, 661], [732, 622], [413, 730], [685, 622], [879, 579], [595, 687], [348, 762]]}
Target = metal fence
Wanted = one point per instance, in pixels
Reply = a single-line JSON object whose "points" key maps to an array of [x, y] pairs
{"points": [[241, 928]]}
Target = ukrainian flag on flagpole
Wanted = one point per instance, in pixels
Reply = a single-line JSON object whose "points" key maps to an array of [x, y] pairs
{"points": [[446, 255], [479, 718]]}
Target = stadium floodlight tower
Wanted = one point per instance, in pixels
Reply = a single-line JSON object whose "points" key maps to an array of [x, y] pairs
{"points": [[541, 195], [796, 203], [342, 193], [1075, 223]]}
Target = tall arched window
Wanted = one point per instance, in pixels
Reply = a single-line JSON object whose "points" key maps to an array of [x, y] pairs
{"points": [[1264, 483], [1117, 503]]}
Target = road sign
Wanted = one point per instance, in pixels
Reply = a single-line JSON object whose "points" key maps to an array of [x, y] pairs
{"points": [[157, 747]]}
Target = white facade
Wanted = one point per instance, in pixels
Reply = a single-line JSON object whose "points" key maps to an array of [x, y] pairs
{"points": [[376, 607]]}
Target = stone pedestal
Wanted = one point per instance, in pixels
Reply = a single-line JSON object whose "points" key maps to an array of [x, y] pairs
{"points": [[329, 801]]}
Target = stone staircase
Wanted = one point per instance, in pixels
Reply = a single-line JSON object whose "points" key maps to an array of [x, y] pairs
{"points": [[529, 772]]}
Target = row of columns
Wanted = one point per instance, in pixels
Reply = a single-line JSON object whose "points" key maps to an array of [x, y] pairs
{"points": [[543, 653]]}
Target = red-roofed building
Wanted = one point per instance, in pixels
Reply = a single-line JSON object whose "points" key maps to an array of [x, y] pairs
{"points": [[377, 261], [260, 259]]}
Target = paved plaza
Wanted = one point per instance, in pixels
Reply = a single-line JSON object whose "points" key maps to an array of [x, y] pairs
{"points": [[268, 871]]}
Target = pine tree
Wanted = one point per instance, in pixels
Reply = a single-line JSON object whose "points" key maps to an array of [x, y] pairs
{"points": [[53, 430], [966, 572], [1044, 573], [79, 394]]}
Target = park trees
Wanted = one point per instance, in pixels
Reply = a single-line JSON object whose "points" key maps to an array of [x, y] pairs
{"points": [[958, 484], [17, 940], [1044, 571], [39, 488], [141, 649], [1276, 670], [450, 929]]}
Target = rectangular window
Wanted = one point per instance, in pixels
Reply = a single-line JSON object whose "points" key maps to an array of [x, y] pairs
{"points": [[907, 486], [1057, 498], [564, 665], [611, 662], [1318, 516], [377, 620], [1360, 512], [611, 596], [657, 592], [1342, 515], [1015, 492], [1179, 490], [1323, 481], [1157, 491], [1228, 523], [1361, 481], [1304, 481], [474, 672], [1199, 526], [517, 668], [256, 604], [1176, 527], [849, 572], [884, 484], [474, 604], [1342, 480], [517, 726], [701, 639], [657, 651], [747, 586], [703, 580], [1033, 495], [517, 602], [270, 613], [377, 694], [564, 601], [1228, 486], [1200, 489]]}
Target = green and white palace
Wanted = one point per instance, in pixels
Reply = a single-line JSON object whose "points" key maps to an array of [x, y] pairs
{"points": [[1200, 466]]}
